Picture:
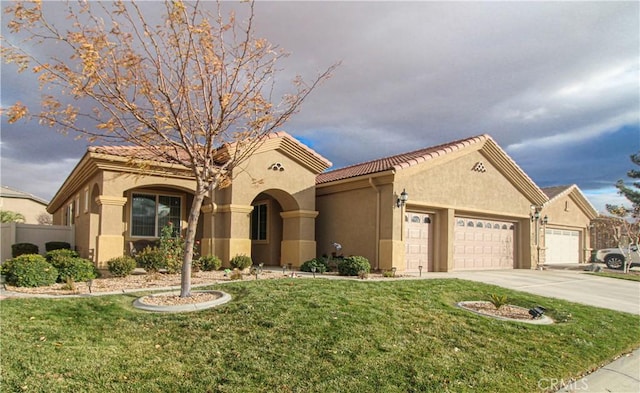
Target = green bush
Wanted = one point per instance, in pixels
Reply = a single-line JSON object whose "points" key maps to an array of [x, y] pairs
{"points": [[353, 266], [241, 262], [498, 300], [50, 246], [209, 263], [60, 254], [73, 268], [321, 265], [23, 248], [150, 259], [30, 270], [121, 266]]}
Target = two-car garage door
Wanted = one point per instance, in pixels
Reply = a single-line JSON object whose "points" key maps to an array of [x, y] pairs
{"points": [[483, 244]]}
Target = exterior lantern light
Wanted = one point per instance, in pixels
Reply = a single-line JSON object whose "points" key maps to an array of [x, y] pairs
{"points": [[545, 220], [535, 216], [402, 200]]}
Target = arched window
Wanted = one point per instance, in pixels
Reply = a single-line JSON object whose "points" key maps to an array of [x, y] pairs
{"points": [[470, 223], [427, 220], [415, 219]]}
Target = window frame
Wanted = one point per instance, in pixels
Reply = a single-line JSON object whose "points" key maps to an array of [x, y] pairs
{"points": [[157, 229], [267, 206]]}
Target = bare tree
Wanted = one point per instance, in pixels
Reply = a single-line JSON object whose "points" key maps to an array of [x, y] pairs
{"points": [[194, 90], [45, 219]]}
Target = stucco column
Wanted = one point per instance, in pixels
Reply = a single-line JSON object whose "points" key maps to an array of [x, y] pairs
{"points": [[298, 236], [526, 253], [443, 253], [237, 240], [110, 241]]}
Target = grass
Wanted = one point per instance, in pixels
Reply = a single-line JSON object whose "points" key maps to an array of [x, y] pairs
{"points": [[621, 276], [305, 335]]}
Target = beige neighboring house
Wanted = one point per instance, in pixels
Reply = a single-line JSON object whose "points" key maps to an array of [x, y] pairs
{"points": [[268, 212], [565, 236], [30, 206]]}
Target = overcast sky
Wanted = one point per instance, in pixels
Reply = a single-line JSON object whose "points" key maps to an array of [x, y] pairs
{"points": [[556, 84]]}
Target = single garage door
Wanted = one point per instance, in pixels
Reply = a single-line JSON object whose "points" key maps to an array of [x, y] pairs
{"points": [[417, 241], [483, 244], [562, 246]]}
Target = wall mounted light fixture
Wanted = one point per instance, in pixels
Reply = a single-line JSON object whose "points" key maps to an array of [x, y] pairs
{"points": [[402, 199]]}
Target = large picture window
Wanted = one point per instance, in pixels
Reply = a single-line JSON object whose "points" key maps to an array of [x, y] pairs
{"points": [[151, 212], [259, 222]]}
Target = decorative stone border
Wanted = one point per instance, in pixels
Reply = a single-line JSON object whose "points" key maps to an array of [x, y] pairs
{"points": [[224, 298], [543, 320]]}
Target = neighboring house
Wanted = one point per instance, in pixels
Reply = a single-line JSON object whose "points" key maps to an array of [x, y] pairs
{"points": [[30, 206], [566, 217], [469, 206], [267, 212]]}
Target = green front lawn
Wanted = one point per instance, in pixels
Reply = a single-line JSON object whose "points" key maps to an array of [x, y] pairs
{"points": [[634, 276], [305, 335]]}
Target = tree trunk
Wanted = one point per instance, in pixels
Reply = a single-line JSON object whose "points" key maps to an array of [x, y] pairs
{"points": [[190, 239]]}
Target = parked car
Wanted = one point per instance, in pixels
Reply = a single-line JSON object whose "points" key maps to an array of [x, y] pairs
{"points": [[615, 257]]}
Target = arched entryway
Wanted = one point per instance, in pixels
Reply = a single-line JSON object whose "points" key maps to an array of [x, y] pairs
{"points": [[280, 232]]}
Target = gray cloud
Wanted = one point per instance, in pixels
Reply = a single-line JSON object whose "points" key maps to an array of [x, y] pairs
{"points": [[540, 77]]}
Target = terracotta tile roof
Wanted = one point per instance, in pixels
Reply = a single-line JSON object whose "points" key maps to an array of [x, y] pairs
{"points": [[399, 161]]}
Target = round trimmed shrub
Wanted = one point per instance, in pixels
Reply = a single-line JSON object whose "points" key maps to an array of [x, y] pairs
{"points": [[320, 264], [150, 259], [352, 266], [50, 246], [31, 270], [73, 268], [209, 263], [23, 248], [241, 262], [60, 254], [121, 266]]}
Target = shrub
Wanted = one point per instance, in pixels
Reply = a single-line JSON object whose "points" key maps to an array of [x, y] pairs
{"points": [[121, 266], [60, 254], [320, 264], [172, 248], [31, 270], [150, 259], [241, 262], [497, 300], [23, 248], [352, 266], [50, 246], [209, 263], [73, 268]]}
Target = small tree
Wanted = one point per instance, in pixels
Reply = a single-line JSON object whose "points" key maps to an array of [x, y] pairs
{"points": [[9, 216], [194, 89], [627, 234]]}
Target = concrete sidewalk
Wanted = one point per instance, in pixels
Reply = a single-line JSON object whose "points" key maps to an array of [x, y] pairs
{"points": [[619, 376]]}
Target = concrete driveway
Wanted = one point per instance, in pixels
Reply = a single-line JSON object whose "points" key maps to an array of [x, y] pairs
{"points": [[575, 286]]}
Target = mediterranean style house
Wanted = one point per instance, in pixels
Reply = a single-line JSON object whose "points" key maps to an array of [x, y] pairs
{"points": [[461, 205]]}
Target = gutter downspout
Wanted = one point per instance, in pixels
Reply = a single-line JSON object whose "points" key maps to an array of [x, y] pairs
{"points": [[377, 222]]}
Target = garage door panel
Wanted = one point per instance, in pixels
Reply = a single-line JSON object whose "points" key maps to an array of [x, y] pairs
{"points": [[481, 244], [562, 246], [418, 241]]}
